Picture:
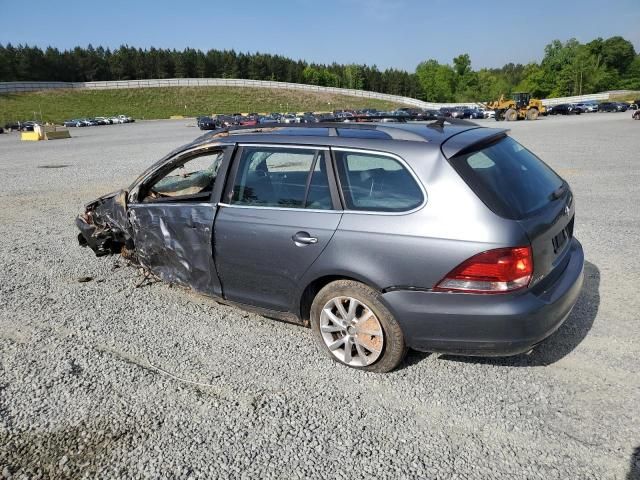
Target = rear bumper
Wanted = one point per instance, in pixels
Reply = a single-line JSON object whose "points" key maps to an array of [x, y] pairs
{"points": [[487, 325]]}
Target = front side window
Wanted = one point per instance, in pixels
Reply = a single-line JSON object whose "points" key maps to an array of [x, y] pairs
{"points": [[192, 178], [377, 183], [282, 177]]}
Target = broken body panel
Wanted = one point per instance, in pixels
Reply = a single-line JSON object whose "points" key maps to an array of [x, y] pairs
{"points": [[104, 225], [174, 242]]}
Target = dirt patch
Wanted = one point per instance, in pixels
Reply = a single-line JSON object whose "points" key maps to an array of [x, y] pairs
{"points": [[71, 452]]}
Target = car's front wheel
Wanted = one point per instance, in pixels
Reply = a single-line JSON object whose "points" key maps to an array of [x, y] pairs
{"points": [[353, 326]]}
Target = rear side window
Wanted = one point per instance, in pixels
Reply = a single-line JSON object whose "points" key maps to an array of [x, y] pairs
{"points": [[374, 182], [282, 177], [508, 178]]}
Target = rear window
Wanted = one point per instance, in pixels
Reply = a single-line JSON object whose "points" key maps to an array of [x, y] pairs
{"points": [[508, 178]]}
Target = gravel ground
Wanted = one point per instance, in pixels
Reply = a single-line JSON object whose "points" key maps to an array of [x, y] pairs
{"points": [[84, 384]]}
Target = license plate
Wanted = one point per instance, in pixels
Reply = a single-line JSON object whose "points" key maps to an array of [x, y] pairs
{"points": [[560, 239]]}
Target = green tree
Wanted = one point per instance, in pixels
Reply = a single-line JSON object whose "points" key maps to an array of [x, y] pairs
{"points": [[567, 68], [311, 75], [353, 77], [631, 79], [534, 81], [618, 54], [462, 64], [491, 85], [436, 81]]}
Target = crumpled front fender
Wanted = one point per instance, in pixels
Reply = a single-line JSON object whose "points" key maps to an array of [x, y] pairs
{"points": [[104, 226]]}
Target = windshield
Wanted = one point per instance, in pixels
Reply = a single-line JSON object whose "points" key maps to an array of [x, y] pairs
{"points": [[508, 178]]}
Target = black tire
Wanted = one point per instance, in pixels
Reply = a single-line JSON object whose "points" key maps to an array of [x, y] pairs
{"points": [[511, 115], [394, 348], [532, 114]]}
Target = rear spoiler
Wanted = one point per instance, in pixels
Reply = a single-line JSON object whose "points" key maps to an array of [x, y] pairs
{"points": [[471, 140]]}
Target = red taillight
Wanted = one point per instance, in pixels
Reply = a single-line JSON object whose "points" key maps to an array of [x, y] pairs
{"points": [[494, 271]]}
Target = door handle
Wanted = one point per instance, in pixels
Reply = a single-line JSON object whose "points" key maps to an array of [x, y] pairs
{"points": [[303, 238]]}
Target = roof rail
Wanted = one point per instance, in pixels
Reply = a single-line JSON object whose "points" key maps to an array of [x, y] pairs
{"points": [[394, 130], [440, 120]]}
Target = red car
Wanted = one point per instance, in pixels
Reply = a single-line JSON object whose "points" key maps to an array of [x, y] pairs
{"points": [[249, 122]]}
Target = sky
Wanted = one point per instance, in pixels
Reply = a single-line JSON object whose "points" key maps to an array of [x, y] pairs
{"points": [[386, 33]]}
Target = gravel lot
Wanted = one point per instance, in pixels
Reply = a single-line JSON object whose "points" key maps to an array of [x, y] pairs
{"points": [[83, 388]]}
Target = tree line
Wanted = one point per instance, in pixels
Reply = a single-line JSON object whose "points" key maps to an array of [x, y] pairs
{"points": [[568, 68], [28, 63]]}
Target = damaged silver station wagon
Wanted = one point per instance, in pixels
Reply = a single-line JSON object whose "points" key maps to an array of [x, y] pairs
{"points": [[442, 237]]}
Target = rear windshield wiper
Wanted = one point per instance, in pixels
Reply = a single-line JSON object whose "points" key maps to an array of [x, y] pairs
{"points": [[559, 192]]}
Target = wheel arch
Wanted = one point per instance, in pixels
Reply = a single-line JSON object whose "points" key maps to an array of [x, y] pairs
{"points": [[306, 297]]}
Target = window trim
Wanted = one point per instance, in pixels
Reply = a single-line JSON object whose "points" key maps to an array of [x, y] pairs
{"points": [[307, 183], [382, 154], [227, 195]]}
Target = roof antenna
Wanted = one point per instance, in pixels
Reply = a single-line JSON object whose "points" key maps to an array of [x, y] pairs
{"points": [[439, 123]]}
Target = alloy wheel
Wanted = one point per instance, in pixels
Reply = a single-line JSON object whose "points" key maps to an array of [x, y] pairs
{"points": [[351, 331]]}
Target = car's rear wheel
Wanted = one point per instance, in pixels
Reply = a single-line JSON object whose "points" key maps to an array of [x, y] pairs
{"points": [[353, 326], [511, 115]]}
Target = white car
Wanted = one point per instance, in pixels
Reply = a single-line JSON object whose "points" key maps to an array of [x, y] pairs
{"points": [[489, 114], [288, 118], [125, 119], [115, 120], [588, 107]]}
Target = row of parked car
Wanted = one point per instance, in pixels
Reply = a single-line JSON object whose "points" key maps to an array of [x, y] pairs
{"points": [[468, 112], [27, 126], [21, 126], [475, 112], [90, 122], [578, 108], [220, 121]]}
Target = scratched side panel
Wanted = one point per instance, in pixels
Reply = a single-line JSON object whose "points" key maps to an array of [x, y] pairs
{"points": [[174, 241]]}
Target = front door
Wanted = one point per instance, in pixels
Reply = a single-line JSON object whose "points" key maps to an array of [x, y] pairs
{"points": [[278, 217], [173, 219]]}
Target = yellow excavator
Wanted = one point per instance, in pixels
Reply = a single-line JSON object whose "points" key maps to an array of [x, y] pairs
{"points": [[519, 107]]}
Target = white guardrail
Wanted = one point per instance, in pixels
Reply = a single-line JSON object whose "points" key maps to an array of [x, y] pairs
{"points": [[16, 87], [576, 99]]}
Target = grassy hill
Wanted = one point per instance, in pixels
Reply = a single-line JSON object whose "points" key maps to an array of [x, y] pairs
{"points": [[151, 103], [625, 97]]}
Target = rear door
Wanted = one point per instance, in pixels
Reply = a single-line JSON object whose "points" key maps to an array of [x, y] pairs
{"points": [[280, 213]]}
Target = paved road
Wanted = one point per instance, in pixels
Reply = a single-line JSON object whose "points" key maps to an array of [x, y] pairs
{"points": [[83, 388]]}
